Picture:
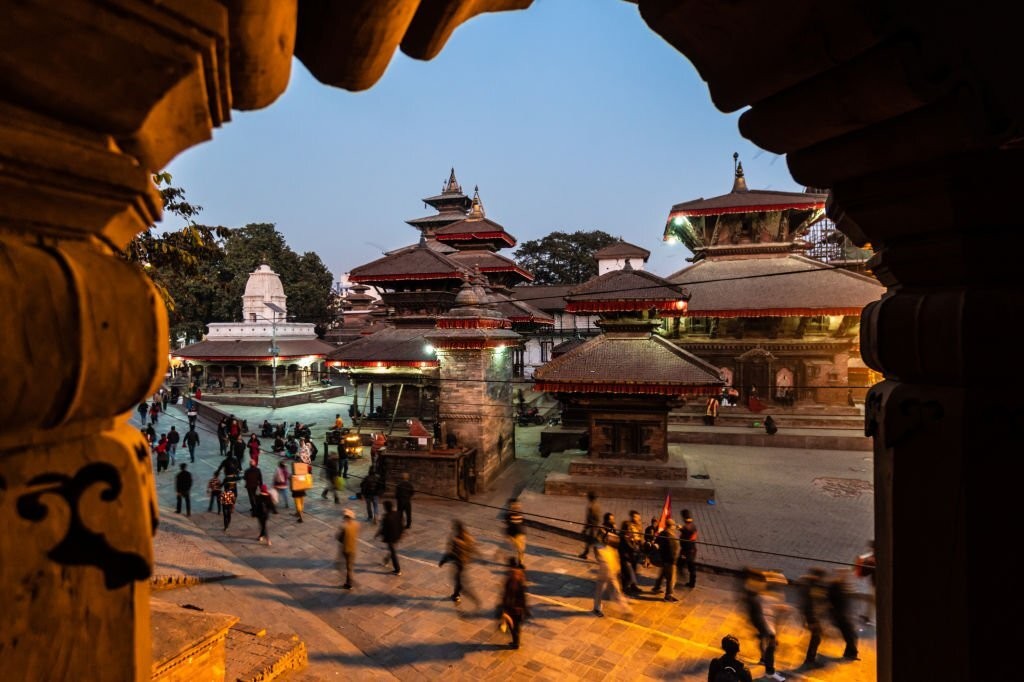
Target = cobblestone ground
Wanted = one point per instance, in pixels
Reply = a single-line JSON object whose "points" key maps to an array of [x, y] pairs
{"points": [[406, 627]]}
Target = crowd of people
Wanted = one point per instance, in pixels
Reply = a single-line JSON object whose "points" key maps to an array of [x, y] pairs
{"points": [[620, 551]]}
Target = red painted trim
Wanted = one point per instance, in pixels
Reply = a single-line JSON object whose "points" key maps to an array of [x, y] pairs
{"points": [[744, 209], [411, 276], [774, 312], [624, 388], [466, 236]]}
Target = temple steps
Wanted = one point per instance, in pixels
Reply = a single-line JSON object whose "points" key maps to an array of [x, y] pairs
{"points": [[787, 437]]}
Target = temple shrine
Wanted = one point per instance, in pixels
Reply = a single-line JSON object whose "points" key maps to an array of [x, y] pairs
{"points": [[779, 325], [263, 359], [618, 388]]}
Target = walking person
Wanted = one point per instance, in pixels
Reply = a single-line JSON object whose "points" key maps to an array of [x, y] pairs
{"points": [[331, 463], [591, 528], [162, 458], [254, 446], [728, 667], [253, 480], [173, 438], [281, 477], [300, 481], [154, 411], [368, 489], [183, 490], [403, 497], [390, 531], [461, 549], [228, 497], [813, 596], [608, 571], [688, 547], [515, 529], [513, 601], [264, 508], [839, 593], [143, 410], [191, 441], [348, 541], [761, 608], [165, 398], [864, 568], [193, 414], [668, 548], [213, 489], [631, 540]]}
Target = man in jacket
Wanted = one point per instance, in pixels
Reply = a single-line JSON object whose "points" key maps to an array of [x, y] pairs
{"points": [[253, 480], [183, 488], [173, 438], [668, 545], [348, 541], [390, 531], [191, 441], [688, 547]]}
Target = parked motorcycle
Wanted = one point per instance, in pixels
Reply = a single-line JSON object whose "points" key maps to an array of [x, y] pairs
{"points": [[530, 417]]}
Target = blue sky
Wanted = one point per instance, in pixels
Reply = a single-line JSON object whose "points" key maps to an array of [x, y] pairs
{"points": [[569, 115]]}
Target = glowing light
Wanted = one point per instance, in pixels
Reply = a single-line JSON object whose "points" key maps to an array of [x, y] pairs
{"points": [[680, 305], [678, 221], [672, 239], [428, 349]]}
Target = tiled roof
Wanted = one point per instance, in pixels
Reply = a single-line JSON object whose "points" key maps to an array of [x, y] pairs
{"points": [[626, 285], [778, 286], [751, 200], [442, 217], [488, 261], [256, 349], [519, 311], [396, 345], [550, 297], [418, 260], [621, 249], [637, 359], [473, 227]]}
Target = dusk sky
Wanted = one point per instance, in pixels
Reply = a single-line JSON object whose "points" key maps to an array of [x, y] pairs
{"points": [[570, 115]]}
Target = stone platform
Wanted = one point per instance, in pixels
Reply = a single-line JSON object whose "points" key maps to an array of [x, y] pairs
{"points": [[633, 488]]}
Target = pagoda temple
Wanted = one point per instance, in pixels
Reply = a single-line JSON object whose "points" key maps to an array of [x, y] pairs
{"points": [[778, 324], [620, 386]]}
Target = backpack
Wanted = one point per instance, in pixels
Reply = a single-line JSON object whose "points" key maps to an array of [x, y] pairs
{"points": [[729, 672]]}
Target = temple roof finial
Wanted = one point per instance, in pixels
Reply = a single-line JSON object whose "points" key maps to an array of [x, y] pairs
{"points": [[739, 183], [477, 209], [423, 239], [452, 185], [628, 266]]}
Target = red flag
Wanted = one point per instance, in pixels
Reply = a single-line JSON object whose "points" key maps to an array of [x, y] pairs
{"points": [[666, 512]]}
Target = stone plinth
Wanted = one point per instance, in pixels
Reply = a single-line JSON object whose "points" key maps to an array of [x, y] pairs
{"points": [[447, 473], [188, 644], [628, 488], [628, 468]]}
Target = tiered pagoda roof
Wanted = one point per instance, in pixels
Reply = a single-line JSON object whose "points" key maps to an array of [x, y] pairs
{"points": [[475, 230], [389, 347], [410, 263], [628, 357]]}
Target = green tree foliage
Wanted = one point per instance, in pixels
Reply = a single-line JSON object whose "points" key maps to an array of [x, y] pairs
{"points": [[562, 257]]}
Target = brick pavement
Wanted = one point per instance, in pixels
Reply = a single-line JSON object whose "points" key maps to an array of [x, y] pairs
{"points": [[405, 627]]}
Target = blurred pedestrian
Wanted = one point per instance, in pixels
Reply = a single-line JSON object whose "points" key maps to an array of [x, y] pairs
{"points": [[191, 441], [390, 531], [651, 550], [300, 481], [403, 497], [331, 465], [515, 529], [761, 608], [461, 549], [281, 477], [728, 667], [348, 540], [173, 438], [668, 548], [631, 540], [770, 427], [183, 490], [253, 480], [162, 458], [840, 592], [193, 414], [264, 508], [143, 410], [688, 547], [213, 489], [154, 412], [513, 601], [254, 446], [165, 398], [711, 410], [813, 606], [591, 527], [222, 436], [864, 568], [368, 489], [608, 570], [228, 497]]}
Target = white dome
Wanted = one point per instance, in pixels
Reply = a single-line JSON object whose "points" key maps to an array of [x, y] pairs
{"points": [[264, 286]]}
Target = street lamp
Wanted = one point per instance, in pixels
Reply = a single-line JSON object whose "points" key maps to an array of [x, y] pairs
{"points": [[274, 350]]}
